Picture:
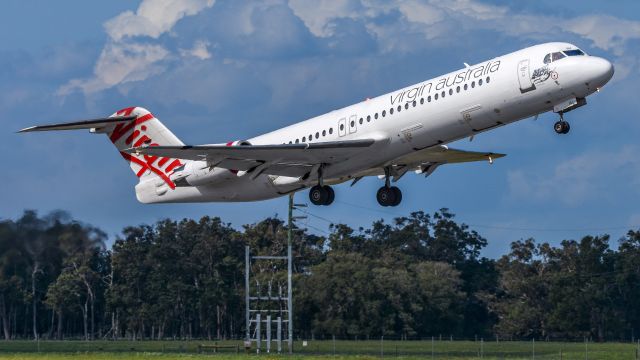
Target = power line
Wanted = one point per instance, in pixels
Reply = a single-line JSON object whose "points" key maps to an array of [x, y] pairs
{"points": [[315, 228], [319, 217], [552, 229], [508, 228]]}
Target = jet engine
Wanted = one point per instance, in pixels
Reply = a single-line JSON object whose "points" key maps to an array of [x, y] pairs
{"points": [[199, 173]]}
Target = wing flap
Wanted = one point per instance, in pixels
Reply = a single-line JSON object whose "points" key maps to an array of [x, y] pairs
{"points": [[426, 161], [445, 155]]}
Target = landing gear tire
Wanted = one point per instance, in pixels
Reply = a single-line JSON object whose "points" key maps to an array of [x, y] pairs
{"points": [[389, 196], [321, 195], [397, 194], [561, 127], [331, 195]]}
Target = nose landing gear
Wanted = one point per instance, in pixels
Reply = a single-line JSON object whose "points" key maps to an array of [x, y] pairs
{"points": [[561, 126]]}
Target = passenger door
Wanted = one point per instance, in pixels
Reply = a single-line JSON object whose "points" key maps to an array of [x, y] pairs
{"points": [[524, 76], [342, 127]]}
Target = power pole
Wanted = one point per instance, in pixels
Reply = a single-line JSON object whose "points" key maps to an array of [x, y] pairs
{"points": [[269, 300], [289, 287]]}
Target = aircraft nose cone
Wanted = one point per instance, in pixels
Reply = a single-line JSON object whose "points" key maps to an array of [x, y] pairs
{"points": [[602, 70]]}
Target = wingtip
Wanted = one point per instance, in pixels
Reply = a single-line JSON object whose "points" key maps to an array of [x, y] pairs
{"points": [[27, 129]]}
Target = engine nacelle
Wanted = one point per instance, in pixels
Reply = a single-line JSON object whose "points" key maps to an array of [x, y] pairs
{"points": [[238, 143], [198, 173]]}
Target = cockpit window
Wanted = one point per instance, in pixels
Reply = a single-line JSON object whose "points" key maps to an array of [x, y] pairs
{"points": [[575, 52], [557, 56], [547, 59]]}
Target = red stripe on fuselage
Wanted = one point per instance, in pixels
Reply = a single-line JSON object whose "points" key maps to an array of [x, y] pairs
{"points": [[146, 166]]}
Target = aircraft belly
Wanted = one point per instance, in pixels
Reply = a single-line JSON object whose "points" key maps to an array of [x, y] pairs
{"points": [[238, 189]]}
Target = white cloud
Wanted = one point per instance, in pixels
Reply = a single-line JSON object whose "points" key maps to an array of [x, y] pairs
{"points": [[578, 179], [124, 60], [436, 18], [153, 17], [607, 32], [200, 50], [135, 49], [317, 15], [120, 63]]}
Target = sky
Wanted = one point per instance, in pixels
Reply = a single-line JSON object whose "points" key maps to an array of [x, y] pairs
{"points": [[215, 71]]}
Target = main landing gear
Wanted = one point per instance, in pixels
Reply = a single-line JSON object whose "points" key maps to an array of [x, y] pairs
{"points": [[321, 195], [561, 126], [388, 195]]}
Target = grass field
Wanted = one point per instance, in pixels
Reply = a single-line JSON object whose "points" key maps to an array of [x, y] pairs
{"points": [[98, 350]]}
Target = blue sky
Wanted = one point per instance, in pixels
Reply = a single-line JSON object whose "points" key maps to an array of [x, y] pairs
{"points": [[215, 71]]}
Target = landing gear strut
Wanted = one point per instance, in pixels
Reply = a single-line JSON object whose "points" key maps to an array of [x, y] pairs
{"points": [[388, 195], [561, 126]]}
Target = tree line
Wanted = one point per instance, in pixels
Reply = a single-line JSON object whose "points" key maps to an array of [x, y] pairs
{"points": [[419, 276]]}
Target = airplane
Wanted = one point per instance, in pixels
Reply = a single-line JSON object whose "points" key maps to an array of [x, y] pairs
{"points": [[386, 136]]}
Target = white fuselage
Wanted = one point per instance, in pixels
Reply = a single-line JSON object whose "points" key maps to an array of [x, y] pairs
{"points": [[438, 111]]}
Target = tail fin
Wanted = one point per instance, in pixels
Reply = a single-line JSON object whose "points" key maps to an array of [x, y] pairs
{"points": [[132, 127], [145, 129]]}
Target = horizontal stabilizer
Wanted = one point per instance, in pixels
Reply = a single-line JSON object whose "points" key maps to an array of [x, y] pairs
{"points": [[83, 124]]}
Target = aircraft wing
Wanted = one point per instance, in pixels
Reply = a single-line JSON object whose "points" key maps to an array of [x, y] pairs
{"points": [[444, 155], [426, 161], [285, 160]]}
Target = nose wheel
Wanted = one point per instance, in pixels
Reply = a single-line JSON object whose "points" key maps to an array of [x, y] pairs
{"points": [[561, 126], [321, 195]]}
